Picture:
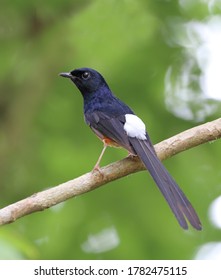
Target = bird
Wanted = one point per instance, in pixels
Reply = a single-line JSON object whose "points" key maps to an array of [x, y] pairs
{"points": [[118, 126]]}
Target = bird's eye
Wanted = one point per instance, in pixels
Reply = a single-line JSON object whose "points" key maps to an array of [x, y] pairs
{"points": [[86, 75]]}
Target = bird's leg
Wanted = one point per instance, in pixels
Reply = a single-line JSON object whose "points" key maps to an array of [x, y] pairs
{"points": [[97, 165]]}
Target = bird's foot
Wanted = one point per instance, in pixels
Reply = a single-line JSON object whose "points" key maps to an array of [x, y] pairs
{"points": [[97, 169], [130, 155]]}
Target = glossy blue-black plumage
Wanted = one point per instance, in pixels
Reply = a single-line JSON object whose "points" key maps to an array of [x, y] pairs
{"points": [[105, 114], [97, 94]]}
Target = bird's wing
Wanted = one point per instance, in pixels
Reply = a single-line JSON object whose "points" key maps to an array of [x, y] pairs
{"points": [[109, 127], [114, 129], [176, 199]]}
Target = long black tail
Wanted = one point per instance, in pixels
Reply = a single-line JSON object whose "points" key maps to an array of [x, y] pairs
{"points": [[176, 199]]}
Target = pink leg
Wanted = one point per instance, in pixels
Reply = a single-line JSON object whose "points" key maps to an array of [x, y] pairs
{"points": [[97, 165]]}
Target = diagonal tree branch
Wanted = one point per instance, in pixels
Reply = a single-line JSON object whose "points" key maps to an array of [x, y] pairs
{"points": [[188, 139]]}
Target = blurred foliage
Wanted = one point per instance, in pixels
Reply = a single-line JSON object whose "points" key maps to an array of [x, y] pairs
{"points": [[44, 141]]}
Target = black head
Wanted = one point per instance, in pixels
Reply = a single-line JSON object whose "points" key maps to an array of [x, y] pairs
{"points": [[86, 79]]}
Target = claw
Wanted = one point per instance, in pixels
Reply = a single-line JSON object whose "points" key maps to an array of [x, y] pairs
{"points": [[97, 169]]}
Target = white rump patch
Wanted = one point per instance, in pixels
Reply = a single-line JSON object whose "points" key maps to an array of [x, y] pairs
{"points": [[135, 127]]}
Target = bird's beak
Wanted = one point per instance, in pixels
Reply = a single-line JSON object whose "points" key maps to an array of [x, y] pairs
{"points": [[66, 75]]}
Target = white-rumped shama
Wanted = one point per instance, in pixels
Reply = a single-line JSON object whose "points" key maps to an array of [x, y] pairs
{"points": [[117, 125]]}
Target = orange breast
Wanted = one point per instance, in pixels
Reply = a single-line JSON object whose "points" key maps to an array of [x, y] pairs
{"points": [[110, 142]]}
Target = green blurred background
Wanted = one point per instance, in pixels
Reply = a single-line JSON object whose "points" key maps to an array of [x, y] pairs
{"points": [[151, 53]]}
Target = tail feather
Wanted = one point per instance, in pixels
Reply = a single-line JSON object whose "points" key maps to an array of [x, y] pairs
{"points": [[176, 199]]}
